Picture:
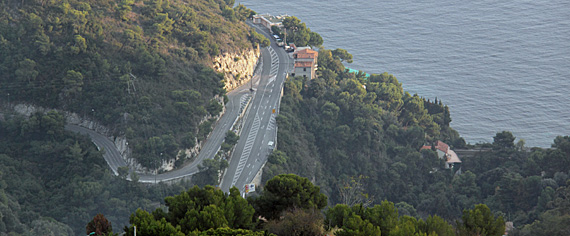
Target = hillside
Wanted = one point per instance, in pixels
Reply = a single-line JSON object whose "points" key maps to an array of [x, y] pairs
{"points": [[144, 69], [343, 125], [141, 68], [291, 205], [360, 140], [52, 182]]}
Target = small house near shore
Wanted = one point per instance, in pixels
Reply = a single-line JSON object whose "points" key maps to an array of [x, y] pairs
{"points": [[305, 62], [452, 161]]}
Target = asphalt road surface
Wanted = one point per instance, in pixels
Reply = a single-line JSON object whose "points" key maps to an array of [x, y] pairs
{"points": [[259, 128], [209, 150], [111, 153]]}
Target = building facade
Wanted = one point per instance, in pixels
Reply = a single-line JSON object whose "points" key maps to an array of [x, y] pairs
{"points": [[443, 151], [305, 63], [268, 20]]}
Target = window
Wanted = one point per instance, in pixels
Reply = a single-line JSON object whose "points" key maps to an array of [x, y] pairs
{"points": [[304, 69]]}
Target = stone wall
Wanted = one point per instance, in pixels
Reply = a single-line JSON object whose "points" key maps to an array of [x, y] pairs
{"points": [[237, 67]]}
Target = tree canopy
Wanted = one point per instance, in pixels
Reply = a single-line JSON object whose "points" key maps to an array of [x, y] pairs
{"points": [[298, 33], [194, 212], [344, 125], [284, 192], [141, 68], [53, 182], [100, 226], [480, 221]]}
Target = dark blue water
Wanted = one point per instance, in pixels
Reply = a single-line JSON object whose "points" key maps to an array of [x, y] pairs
{"points": [[499, 65]]}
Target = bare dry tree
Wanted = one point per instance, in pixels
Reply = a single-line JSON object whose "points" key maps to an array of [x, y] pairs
{"points": [[351, 192]]}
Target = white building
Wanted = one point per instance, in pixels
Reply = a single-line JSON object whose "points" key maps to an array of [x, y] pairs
{"points": [[269, 20], [305, 63], [444, 152]]}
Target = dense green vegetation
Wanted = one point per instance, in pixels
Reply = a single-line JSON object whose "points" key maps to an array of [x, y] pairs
{"points": [[359, 140], [528, 186], [53, 182], [341, 125], [194, 211], [210, 168], [297, 210], [297, 32], [50, 178], [139, 67]]}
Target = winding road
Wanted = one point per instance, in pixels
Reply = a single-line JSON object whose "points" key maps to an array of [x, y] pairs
{"points": [[259, 126], [211, 146], [110, 152]]}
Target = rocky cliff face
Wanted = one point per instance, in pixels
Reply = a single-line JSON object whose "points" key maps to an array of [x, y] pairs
{"points": [[237, 67]]}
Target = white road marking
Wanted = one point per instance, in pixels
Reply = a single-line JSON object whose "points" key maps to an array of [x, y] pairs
{"points": [[247, 149]]}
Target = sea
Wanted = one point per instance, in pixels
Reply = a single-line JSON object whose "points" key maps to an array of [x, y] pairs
{"points": [[499, 65]]}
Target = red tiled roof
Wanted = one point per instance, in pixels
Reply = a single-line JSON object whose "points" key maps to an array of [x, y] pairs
{"points": [[307, 53], [441, 146], [438, 145], [303, 64]]}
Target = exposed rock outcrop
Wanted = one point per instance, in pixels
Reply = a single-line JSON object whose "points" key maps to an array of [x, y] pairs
{"points": [[190, 153], [237, 67]]}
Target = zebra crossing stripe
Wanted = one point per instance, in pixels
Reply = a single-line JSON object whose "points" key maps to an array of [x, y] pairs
{"points": [[272, 121], [247, 149]]}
